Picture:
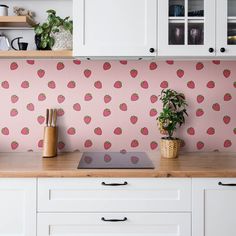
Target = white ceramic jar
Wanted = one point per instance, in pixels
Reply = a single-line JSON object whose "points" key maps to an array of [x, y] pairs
{"points": [[3, 10]]}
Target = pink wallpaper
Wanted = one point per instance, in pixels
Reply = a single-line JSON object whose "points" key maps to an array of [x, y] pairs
{"points": [[113, 105]]}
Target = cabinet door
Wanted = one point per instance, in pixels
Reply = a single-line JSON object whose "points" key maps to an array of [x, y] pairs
{"points": [[123, 28], [126, 224], [214, 207], [17, 207], [186, 28], [226, 27]]}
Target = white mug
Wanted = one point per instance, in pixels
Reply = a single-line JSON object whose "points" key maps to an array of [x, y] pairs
{"points": [[3, 10]]}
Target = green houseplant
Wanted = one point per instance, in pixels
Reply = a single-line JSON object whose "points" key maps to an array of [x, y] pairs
{"points": [[170, 118], [45, 33]]}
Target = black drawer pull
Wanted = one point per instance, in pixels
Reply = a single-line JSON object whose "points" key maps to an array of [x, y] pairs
{"points": [[114, 220], [232, 185], [114, 184]]}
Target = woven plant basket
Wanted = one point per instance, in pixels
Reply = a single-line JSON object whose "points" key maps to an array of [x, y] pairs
{"points": [[170, 148]]}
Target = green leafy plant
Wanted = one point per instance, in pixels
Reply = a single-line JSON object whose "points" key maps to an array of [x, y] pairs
{"points": [[173, 112], [52, 25]]}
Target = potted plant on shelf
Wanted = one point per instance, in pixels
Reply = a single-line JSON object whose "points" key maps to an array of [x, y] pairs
{"points": [[55, 33], [172, 116]]}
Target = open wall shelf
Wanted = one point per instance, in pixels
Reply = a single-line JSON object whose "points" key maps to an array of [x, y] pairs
{"points": [[16, 21]]}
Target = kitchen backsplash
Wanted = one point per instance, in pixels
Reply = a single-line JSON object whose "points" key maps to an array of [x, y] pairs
{"points": [[113, 105]]}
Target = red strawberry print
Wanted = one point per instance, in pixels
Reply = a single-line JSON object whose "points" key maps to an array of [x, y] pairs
{"points": [[77, 62], [87, 73], [14, 145], [88, 143], [134, 160], [134, 97], [153, 98], [30, 107], [60, 99], [144, 84], [211, 131], [118, 84], [153, 66], [180, 73], [41, 97], [61, 145], [107, 145], [216, 62], [191, 131], [52, 85], [88, 97], [98, 131], [134, 143], [227, 143], [40, 143], [153, 145], [123, 62], [234, 131], [164, 84], [13, 112], [199, 66], [71, 84], [98, 84], [226, 119], [106, 112], [200, 145], [118, 131], [123, 107], [13, 66], [88, 159], [227, 97], [144, 131], [107, 158], [199, 112], [25, 131], [170, 62], [87, 119], [216, 107], [77, 107], [40, 119], [41, 73], [200, 98], [71, 131], [226, 73], [5, 131], [30, 62], [106, 66], [133, 73], [211, 84], [153, 112], [14, 98], [107, 98], [25, 84], [5, 85], [191, 84], [133, 119], [60, 66]]}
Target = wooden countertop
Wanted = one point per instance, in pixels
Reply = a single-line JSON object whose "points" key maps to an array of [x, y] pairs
{"points": [[65, 165]]}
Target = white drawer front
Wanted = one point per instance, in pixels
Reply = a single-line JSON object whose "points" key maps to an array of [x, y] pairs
{"points": [[89, 195], [138, 224]]}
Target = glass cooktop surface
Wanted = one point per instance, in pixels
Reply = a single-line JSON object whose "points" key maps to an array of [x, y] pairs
{"points": [[115, 160]]}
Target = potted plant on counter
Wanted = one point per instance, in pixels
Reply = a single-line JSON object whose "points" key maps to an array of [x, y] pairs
{"points": [[172, 116]]}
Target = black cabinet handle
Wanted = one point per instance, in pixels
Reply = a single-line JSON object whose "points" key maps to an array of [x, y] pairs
{"points": [[114, 220], [151, 50], [221, 184], [222, 50], [211, 50], [115, 184]]}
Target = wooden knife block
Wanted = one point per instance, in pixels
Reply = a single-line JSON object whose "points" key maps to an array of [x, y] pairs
{"points": [[50, 142]]}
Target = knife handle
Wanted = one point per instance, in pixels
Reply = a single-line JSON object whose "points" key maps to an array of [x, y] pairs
{"points": [[50, 117], [55, 117], [47, 116]]}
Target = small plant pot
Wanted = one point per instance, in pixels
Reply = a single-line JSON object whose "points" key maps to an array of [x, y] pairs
{"points": [[170, 148]]}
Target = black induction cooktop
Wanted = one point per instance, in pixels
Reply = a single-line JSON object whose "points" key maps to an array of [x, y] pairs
{"points": [[115, 160]]}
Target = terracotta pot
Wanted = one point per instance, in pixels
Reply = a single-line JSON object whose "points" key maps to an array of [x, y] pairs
{"points": [[170, 148]]}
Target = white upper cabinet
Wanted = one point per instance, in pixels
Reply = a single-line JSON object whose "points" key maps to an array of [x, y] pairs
{"points": [[186, 27], [120, 28]]}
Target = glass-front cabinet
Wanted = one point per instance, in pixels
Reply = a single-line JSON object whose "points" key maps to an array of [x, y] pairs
{"points": [[186, 27]]}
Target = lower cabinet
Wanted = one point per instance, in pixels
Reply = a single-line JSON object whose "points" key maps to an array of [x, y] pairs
{"points": [[17, 207], [117, 224], [214, 207]]}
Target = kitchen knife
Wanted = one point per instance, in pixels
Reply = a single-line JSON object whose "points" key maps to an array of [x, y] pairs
{"points": [[55, 117], [47, 116], [50, 117]]}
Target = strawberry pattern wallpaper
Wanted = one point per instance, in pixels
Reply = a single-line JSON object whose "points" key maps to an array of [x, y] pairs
{"points": [[113, 105]]}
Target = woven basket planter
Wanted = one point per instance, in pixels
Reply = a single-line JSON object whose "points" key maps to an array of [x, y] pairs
{"points": [[170, 148]]}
